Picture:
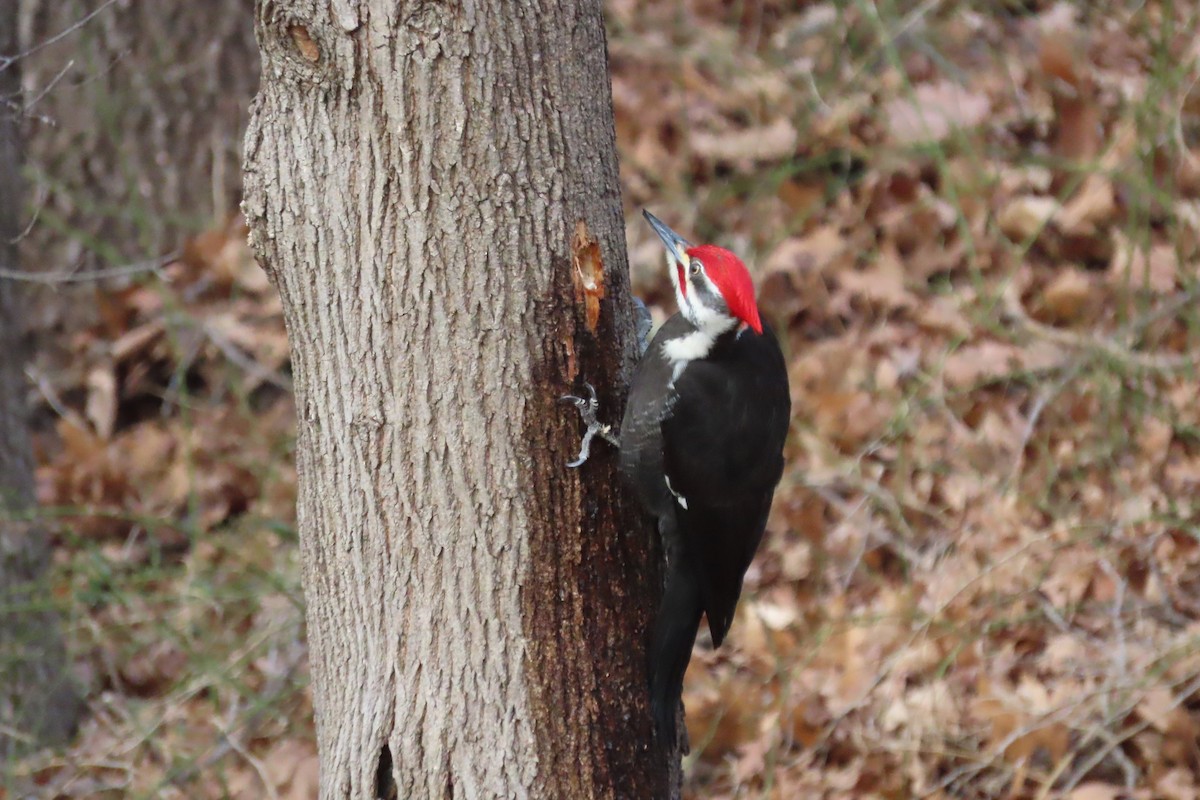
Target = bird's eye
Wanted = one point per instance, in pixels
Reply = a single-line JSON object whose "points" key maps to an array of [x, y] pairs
{"points": [[695, 267]]}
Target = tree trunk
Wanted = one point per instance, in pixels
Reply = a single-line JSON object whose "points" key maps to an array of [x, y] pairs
{"points": [[433, 188], [37, 703]]}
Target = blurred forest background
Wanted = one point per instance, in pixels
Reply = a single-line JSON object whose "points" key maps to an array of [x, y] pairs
{"points": [[978, 224]]}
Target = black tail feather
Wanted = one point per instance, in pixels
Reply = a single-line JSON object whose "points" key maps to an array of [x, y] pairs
{"points": [[674, 634]]}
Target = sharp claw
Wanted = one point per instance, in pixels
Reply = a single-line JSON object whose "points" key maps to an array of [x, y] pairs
{"points": [[586, 405], [584, 449], [587, 410]]}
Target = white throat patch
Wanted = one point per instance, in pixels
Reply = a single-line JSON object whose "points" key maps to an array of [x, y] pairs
{"points": [[688, 348], [697, 344]]}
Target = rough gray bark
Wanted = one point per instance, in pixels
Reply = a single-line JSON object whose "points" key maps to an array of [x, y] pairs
{"points": [[418, 179], [37, 703]]}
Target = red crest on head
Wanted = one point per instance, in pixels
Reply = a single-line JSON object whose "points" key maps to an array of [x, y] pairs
{"points": [[732, 279]]}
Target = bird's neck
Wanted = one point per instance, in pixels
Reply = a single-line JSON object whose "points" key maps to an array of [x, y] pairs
{"points": [[697, 343]]}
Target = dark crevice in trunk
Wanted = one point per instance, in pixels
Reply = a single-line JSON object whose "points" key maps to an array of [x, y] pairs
{"points": [[385, 781]]}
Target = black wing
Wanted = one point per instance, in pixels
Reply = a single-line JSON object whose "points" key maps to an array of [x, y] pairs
{"points": [[723, 455]]}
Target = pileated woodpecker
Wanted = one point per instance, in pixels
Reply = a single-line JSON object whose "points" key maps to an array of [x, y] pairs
{"points": [[702, 445]]}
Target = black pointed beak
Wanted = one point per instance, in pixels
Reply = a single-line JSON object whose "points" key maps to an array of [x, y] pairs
{"points": [[676, 245]]}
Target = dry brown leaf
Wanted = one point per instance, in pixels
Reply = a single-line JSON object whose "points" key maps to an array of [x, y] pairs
{"points": [[835, 126], [1014, 722], [101, 409], [221, 257], [802, 197], [135, 342], [225, 490], [719, 715], [819, 251], [793, 272], [1154, 439], [1094, 790], [147, 448], [974, 363], [809, 720], [848, 418], [1069, 297], [882, 284], [933, 112], [924, 712], [1177, 784], [1068, 584], [1090, 209], [265, 343], [292, 766], [751, 761], [1133, 268], [1024, 217], [154, 669], [942, 315], [1163, 710], [1073, 91], [767, 143]]}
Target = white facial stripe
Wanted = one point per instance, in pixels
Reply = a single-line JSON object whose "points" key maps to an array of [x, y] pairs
{"points": [[691, 294], [710, 320], [673, 271], [684, 291]]}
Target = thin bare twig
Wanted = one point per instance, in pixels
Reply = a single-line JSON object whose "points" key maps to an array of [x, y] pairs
{"points": [[75, 276], [1040, 403], [7, 61], [49, 85], [52, 398], [235, 745], [38, 205]]}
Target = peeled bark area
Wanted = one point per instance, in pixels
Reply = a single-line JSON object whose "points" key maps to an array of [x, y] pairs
{"points": [[477, 613]]}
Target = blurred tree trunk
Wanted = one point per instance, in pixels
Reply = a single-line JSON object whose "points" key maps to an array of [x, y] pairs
{"points": [[417, 174], [137, 140], [37, 702]]}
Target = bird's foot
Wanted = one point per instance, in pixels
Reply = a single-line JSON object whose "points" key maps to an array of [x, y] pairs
{"points": [[587, 411]]}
